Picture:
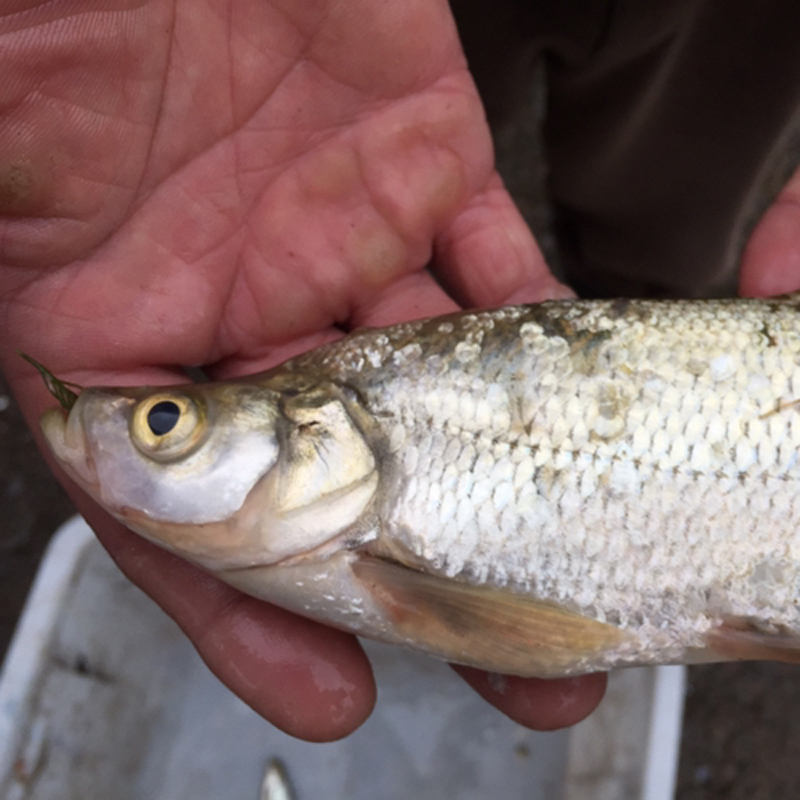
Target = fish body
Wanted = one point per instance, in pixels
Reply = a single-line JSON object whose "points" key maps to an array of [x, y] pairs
{"points": [[541, 490]]}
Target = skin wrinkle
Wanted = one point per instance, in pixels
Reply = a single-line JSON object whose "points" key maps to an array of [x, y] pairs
{"points": [[116, 105], [97, 118], [380, 240], [212, 306], [435, 209], [236, 143], [389, 205], [236, 146], [16, 292], [319, 283], [506, 262], [172, 168], [284, 46], [417, 291], [317, 32], [385, 206], [296, 71], [276, 169], [158, 111], [302, 147], [78, 104], [221, 119], [190, 202], [57, 12], [69, 287], [20, 302], [340, 315], [270, 355], [276, 278], [296, 61], [232, 334], [415, 81], [306, 34], [236, 122], [151, 141]]}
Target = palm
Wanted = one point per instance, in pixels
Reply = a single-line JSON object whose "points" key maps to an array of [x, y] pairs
{"points": [[268, 190], [225, 183]]}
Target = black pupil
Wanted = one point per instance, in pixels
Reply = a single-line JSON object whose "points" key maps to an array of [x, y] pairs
{"points": [[163, 417]]}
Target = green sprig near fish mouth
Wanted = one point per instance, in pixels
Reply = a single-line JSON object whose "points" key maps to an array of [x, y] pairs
{"points": [[59, 389]]}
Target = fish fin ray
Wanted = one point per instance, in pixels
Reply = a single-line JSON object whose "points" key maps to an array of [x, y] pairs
{"points": [[747, 639], [498, 630]]}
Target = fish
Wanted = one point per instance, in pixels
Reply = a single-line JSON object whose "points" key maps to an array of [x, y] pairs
{"points": [[544, 490], [275, 784]]}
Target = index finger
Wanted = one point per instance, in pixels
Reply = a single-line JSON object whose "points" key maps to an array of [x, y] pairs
{"points": [[487, 255]]}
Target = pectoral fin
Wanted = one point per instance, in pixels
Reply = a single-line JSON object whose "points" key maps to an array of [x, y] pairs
{"points": [[745, 639], [498, 630]]}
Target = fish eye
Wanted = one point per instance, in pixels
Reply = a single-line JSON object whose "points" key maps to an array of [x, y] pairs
{"points": [[163, 417], [167, 425]]}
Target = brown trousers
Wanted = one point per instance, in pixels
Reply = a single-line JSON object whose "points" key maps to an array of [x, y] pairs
{"points": [[667, 122]]}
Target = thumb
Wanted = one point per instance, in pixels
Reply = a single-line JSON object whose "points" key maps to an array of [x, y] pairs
{"points": [[487, 255], [771, 259]]}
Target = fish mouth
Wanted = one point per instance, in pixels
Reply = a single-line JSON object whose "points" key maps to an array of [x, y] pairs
{"points": [[65, 437]]}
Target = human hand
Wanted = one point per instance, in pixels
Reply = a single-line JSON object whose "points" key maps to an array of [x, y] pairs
{"points": [[226, 184], [771, 259]]}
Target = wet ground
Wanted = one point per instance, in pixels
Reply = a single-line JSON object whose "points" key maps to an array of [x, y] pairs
{"points": [[742, 726]]}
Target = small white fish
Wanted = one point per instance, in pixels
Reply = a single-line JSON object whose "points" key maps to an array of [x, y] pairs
{"points": [[541, 490], [275, 784]]}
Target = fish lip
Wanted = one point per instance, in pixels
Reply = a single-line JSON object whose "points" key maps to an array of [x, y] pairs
{"points": [[320, 553], [64, 433]]}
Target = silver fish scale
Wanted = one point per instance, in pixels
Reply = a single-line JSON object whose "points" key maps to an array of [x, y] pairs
{"points": [[635, 461]]}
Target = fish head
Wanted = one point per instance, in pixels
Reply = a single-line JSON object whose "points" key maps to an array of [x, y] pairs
{"points": [[229, 475]]}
